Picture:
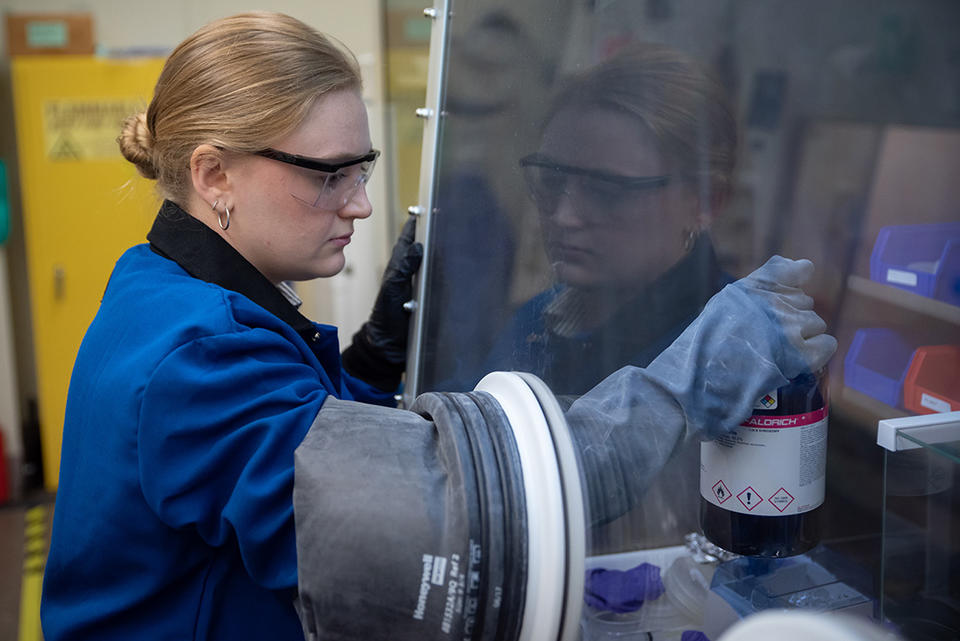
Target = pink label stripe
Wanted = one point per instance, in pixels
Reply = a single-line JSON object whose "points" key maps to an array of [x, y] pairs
{"points": [[785, 421]]}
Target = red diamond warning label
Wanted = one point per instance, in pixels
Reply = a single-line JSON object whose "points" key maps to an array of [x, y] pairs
{"points": [[781, 499], [749, 498], [721, 492]]}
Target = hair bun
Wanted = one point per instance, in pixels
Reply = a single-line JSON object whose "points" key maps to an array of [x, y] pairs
{"points": [[136, 144]]}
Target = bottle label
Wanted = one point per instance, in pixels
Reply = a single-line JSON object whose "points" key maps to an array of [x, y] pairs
{"points": [[768, 466]]}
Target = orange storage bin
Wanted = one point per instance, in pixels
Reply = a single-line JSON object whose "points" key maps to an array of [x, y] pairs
{"points": [[933, 380]]}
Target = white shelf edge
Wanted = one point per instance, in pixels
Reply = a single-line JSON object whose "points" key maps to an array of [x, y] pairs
{"points": [[932, 428]]}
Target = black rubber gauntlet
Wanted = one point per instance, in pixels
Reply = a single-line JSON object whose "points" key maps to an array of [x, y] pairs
{"points": [[378, 352]]}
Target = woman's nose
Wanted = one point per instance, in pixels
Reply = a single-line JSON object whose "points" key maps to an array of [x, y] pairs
{"points": [[358, 206], [567, 212]]}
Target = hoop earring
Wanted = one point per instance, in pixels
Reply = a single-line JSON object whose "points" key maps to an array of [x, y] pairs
{"points": [[224, 225], [690, 239]]}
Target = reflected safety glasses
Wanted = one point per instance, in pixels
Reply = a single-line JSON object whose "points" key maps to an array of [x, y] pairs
{"points": [[333, 184], [548, 180]]}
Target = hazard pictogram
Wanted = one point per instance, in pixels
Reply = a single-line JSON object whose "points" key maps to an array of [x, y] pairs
{"points": [[750, 498], [781, 499], [768, 402], [720, 491], [64, 149]]}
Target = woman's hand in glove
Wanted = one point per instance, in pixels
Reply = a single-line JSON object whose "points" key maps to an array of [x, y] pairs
{"points": [[378, 352], [776, 289], [751, 338]]}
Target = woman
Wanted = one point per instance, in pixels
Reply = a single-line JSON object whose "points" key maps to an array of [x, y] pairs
{"points": [[198, 378], [634, 164]]}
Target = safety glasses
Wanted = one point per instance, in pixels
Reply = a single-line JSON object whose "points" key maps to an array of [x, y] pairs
{"points": [[548, 180], [328, 185]]}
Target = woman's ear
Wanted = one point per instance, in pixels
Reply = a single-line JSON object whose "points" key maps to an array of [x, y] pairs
{"points": [[712, 206], [208, 173]]}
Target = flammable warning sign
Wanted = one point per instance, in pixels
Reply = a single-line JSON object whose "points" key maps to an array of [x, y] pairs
{"points": [[85, 129]]}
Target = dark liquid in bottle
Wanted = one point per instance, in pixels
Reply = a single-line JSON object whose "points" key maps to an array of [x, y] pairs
{"points": [[771, 536]]}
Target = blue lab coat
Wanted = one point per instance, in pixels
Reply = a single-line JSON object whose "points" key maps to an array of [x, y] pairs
{"points": [[193, 386]]}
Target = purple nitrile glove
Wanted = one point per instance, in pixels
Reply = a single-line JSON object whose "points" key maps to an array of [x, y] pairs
{"points": [[622, 590], [693, 635]]}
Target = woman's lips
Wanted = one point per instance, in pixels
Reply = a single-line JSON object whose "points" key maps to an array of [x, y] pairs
{"points": [[569, 252], [341, 241]]}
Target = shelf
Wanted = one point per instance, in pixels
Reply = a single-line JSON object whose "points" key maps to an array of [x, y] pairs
{"points": [[864, 409], [904, 299]]}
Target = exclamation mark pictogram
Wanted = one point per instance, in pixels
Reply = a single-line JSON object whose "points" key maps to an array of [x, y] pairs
{"points": [[749, 498]]}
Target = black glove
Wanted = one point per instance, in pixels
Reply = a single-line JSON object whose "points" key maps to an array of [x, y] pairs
{"points": [[378, 353]]}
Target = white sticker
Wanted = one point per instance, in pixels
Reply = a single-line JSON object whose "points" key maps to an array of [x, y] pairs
{"points": [[901, 277], [934, 403], [85, 129], [769, 465]]}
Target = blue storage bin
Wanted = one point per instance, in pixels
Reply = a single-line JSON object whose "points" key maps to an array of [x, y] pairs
{"points": [[923, 259], [877, 363]]}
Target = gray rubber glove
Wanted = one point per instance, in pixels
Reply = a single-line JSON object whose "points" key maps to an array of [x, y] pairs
{"points": [[378, 351], [752, 337]]}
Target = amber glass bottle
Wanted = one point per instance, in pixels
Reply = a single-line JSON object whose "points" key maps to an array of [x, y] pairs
{"points": [[762, 485]]}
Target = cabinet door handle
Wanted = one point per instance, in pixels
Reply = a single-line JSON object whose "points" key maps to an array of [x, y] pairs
{"points": [[59, 278]]}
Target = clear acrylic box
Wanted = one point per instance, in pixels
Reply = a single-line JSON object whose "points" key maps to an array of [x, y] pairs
{"points": [[920, 562]]}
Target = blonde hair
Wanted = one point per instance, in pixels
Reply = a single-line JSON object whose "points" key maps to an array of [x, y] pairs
{"points": [[675, 98], [238, 83]]}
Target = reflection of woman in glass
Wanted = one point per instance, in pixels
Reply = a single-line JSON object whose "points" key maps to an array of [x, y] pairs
{"points": [[634, 163]]}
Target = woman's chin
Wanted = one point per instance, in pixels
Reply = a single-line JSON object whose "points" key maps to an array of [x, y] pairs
{"points": [[576, 274], [330, 266]]}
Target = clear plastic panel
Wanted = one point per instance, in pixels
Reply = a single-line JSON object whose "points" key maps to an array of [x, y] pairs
{"points": [[920, 590], [606, 166]]}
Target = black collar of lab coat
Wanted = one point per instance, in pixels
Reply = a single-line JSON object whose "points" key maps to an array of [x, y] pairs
{"points": [[205, 255]]}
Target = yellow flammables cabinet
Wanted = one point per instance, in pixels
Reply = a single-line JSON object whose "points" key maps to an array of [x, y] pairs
{"points": [[83, 205]]}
